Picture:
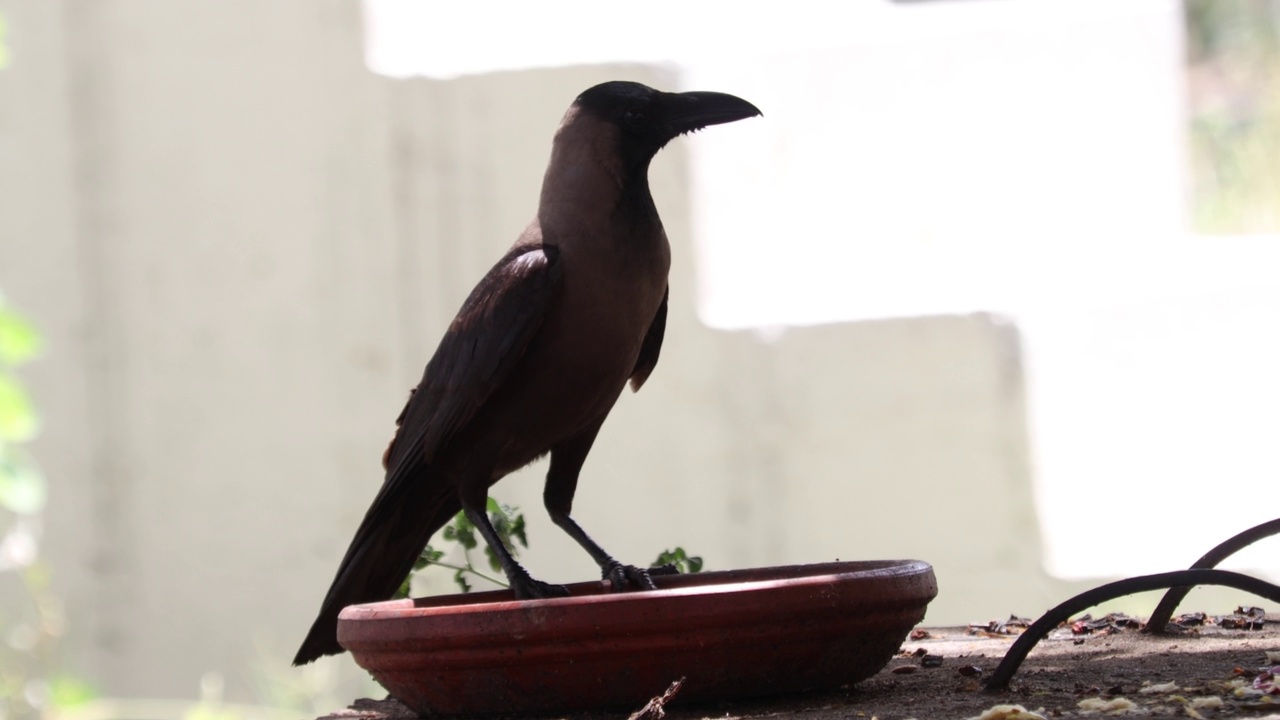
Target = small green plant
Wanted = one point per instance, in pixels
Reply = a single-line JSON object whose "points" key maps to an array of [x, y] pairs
{"points": [[22, 490], [507, 521], [33, 622], [683, 561]]}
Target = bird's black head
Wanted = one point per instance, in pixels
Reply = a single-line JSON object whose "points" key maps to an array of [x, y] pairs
{"points": [[648, 119]]}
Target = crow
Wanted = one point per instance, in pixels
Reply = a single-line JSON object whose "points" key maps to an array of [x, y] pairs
{"points": [[539, 353]]}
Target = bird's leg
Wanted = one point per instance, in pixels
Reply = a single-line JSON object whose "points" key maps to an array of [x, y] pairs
{"points": [[562, 482], [621, 577], [522, 584]]}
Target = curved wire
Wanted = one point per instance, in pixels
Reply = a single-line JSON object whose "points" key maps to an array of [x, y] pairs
{"points": [[1159, 620], [999, 679]]}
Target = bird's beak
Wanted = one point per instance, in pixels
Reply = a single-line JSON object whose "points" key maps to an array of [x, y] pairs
{"points": [[689, 111]]}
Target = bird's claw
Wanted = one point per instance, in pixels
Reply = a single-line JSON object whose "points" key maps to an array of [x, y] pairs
{"points": [[629, 577], [665, 569], [527, 588]]}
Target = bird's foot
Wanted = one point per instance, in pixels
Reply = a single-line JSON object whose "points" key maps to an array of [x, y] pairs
{"points": [[526, 588], [629, 577], [665, 569]]}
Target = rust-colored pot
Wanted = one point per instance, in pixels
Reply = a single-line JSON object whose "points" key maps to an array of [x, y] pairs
{"points": [[733, 634]]}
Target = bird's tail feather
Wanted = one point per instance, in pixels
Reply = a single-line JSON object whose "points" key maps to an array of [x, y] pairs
{"points": [[408, 510]]}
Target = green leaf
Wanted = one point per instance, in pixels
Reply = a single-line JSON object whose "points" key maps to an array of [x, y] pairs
{"points": [[22, 488], [501, 526], [518, 532], [403, 591], [17, 417], [425, 558], [683, 561], [460, 577], [507, 521], [464, 533], [494, 564], [669, 557], [19, 340]]}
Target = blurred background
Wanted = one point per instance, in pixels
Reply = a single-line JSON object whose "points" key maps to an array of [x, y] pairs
{"points": [[991, 284]]}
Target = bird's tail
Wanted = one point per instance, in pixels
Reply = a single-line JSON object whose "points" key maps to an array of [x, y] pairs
{"points": [[408, 510]]}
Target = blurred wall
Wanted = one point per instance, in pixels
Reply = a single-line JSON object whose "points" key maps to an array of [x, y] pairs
{"points": [[242, 247]]}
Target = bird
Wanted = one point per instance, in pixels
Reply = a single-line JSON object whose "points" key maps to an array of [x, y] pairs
{"points": [[538, 354]]}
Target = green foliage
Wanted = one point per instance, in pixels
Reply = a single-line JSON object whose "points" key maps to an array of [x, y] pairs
{"points": [[19, 341], [22, 490], [461, 536], [461, 533], [508, 522], [17, 416], [33, 623], [683, 561], [1233, 58]]}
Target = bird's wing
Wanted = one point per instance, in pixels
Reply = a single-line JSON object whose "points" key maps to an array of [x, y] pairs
{"points": [[482, 345], [652, 345], [477, 353]]}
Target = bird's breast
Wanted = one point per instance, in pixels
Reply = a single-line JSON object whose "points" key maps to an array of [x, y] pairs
{"points": [[582, 357], [599, 325]]}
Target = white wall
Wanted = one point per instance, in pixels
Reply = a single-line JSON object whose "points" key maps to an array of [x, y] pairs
{"points": [[242, 247]]}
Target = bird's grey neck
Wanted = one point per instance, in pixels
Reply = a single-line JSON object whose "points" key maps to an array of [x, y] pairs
{"points": [[587, 178]]}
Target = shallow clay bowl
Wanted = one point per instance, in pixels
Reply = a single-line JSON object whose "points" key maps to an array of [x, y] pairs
{"points": [[733, 634]]}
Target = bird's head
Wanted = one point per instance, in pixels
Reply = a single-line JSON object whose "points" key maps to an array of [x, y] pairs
{"points": [[638, 120]]}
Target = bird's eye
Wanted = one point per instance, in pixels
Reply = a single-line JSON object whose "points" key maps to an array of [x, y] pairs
{"points": [[633, 119]]}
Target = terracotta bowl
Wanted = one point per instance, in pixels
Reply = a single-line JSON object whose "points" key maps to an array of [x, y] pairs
{"points": [[734, 634]]}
